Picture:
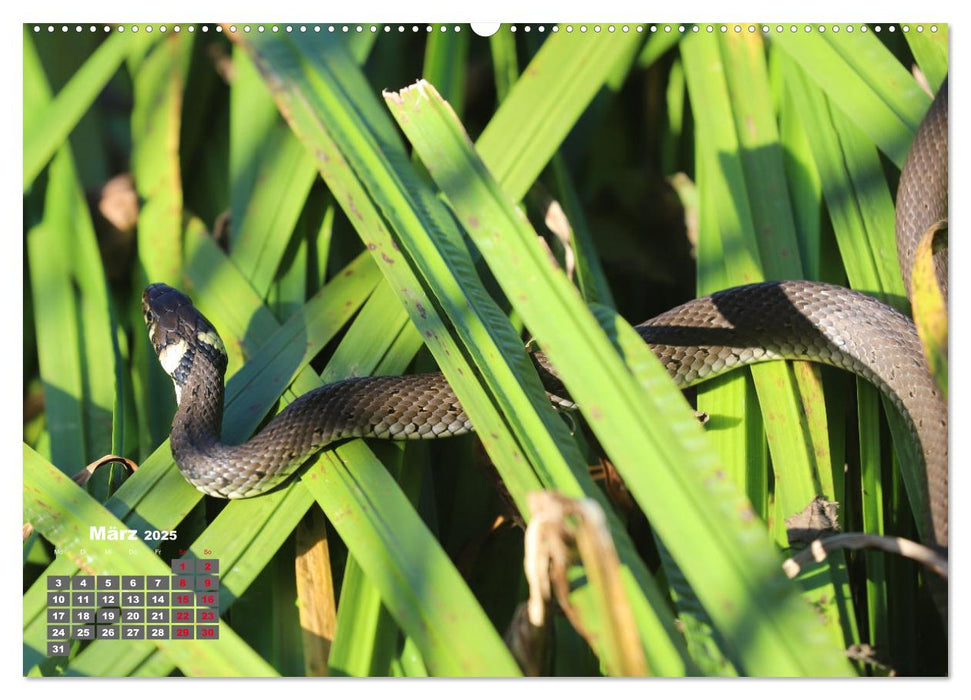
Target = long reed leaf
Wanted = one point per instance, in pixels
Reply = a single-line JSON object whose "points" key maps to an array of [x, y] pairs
{"points": [[327, 108], [607, 396]]}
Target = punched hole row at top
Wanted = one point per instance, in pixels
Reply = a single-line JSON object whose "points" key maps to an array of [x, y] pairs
{"points": [[428, 28]]}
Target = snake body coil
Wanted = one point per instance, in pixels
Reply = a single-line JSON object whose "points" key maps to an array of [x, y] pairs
{"points": [[695, 341]]}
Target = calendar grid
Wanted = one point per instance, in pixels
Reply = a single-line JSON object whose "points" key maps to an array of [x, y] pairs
{"points": [[181, 605]]}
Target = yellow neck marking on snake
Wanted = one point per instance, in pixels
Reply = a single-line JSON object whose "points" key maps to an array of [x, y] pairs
{"points": [[171, 355], [210, 338]]}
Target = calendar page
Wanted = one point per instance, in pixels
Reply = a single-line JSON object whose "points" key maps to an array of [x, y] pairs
{"points": [[602, 348]]}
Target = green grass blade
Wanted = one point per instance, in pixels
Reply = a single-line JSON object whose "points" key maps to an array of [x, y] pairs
{"points": [[591, 278], [247, 323], [158, 83], [705, 646], [590, 274], [365, 635], [847, 175], [862, 78], [746, 77], [411, 570], [267, 618], [626, 419], [58, 340], [289, 289], [156, 120], [734, 429], [74, 329], [366, 632], [263, 230], [736, 433], [794, 409], [70, 300], [445, 55], [505, 64], [659, 43], [410, 661], [729, 185], [287, 351], [47, 129], [751, 161], [271, 178], [360, 45], [546, 102], [37, 90], [860, 209], [806, 188], [930, 51], [673, 137], [871, 470], [252, 116]]}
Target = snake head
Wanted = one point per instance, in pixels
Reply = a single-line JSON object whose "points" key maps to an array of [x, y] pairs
{"points": [[180, 334]]}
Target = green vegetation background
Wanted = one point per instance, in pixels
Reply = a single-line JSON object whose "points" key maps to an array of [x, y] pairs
{"points": [[329, 230]]}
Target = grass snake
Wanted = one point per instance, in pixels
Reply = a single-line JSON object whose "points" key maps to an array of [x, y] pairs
{"points": [[696, 341]]}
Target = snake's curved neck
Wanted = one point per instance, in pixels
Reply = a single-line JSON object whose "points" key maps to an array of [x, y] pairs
{"points": [[197, 424]]}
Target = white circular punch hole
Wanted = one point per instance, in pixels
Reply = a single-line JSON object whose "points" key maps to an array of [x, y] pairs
{"points": [[485, 28]]}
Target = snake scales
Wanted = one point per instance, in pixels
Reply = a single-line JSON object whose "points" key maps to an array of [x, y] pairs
{"points": [[695, 341]]}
